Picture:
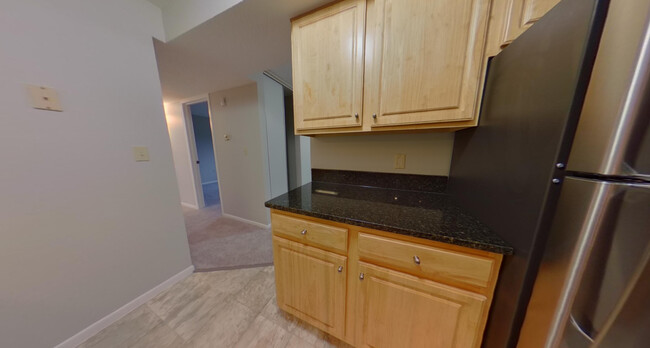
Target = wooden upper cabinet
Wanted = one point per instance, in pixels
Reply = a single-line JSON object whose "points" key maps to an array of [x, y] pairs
{"points": [[327, 58], [399, 310], [424, 60], [521, 14]]}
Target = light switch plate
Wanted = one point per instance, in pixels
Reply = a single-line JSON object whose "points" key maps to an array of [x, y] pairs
{"points": [[44, 98], [141, 153]]}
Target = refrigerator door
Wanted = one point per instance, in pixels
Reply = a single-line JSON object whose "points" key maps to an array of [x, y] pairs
{"points": [[629, 327], [505, 171], [593, 265], [613, 135]]}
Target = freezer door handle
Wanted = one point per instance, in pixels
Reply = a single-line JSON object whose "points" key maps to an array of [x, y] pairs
{"points": [[576, 326], [617, 248], [597, 243], [575, 336]]}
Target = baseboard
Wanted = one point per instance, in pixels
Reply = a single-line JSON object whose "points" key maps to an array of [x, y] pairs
{"points": [[188, 205], [104, 322], [246, 221], [209, 182]]}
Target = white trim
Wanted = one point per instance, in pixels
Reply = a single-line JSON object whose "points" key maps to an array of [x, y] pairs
{"points": [[106, 321], [190, 205], [246, 221], [209, 182], [273, 76]]}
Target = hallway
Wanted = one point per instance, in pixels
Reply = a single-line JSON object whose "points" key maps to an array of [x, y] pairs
{"points": [[218, 242], [211, 194]]}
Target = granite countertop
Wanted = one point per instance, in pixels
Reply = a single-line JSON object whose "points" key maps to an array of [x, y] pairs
{"points": [[427, 215]]}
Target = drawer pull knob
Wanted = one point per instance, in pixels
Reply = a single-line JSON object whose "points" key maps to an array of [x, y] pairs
{"points": [[303, 232], [361, 276], [340, 269], [416, 259]]}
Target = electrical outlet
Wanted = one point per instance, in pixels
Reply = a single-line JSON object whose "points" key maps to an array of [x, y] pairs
{"points": [[141, 153], [400, 161]]}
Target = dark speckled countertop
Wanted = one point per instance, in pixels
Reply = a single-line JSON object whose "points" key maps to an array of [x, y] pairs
{"points": [[427, 215]]}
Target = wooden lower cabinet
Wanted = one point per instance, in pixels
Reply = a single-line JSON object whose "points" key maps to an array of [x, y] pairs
{"points": [[310, 284], [421, 293], [400, 310]]}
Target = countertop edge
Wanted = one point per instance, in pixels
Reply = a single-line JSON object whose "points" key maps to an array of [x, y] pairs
{"points": [[504, 250]]}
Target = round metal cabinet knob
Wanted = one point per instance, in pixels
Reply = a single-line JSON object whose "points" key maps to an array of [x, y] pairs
{"points": [[416, 259], [303, 232], [361, 276], [340, 269]]}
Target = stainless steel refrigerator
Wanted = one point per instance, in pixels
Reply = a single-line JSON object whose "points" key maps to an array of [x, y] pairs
{"points": [[560, 168]]}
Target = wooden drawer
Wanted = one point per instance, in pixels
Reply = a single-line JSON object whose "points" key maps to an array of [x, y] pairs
{"points": [[434, 263], [311, 233]]}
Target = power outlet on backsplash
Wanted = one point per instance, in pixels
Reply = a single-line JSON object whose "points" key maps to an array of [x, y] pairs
{"points": [[400, 161]]}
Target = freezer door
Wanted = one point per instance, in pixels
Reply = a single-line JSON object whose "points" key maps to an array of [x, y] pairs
{"points": [[592, 270], [630, 326], [613, 135]]}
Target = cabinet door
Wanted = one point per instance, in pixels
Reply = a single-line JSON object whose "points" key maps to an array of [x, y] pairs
{"points": [[310, 284], [399, 310], [521, 14], [327, 58], [424, 60]]}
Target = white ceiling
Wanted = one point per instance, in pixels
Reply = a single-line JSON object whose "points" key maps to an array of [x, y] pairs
{"points": [[227, 50]]}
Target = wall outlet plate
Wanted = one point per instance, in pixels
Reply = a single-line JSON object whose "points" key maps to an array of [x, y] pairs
{"points": [[44, 98], [141, 153], [400, 161]]}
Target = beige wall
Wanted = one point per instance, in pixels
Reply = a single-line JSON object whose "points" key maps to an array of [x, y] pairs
{"points": [[241, 159], [84, 229], [426, 153]]}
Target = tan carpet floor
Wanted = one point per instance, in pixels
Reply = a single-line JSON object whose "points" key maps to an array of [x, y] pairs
{"points": [[220, 243]]}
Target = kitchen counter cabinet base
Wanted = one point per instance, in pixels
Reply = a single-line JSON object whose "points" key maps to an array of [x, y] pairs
{"points": [[393, 303]]}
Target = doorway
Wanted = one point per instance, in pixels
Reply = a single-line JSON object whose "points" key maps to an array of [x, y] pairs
{"points": [[298, 147], [199, 128]]}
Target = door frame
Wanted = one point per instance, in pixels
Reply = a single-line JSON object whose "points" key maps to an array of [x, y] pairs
{"points": [[196, 172]]}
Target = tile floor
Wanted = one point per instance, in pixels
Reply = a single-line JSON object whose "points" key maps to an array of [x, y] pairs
{"points": [[234, 308]]}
